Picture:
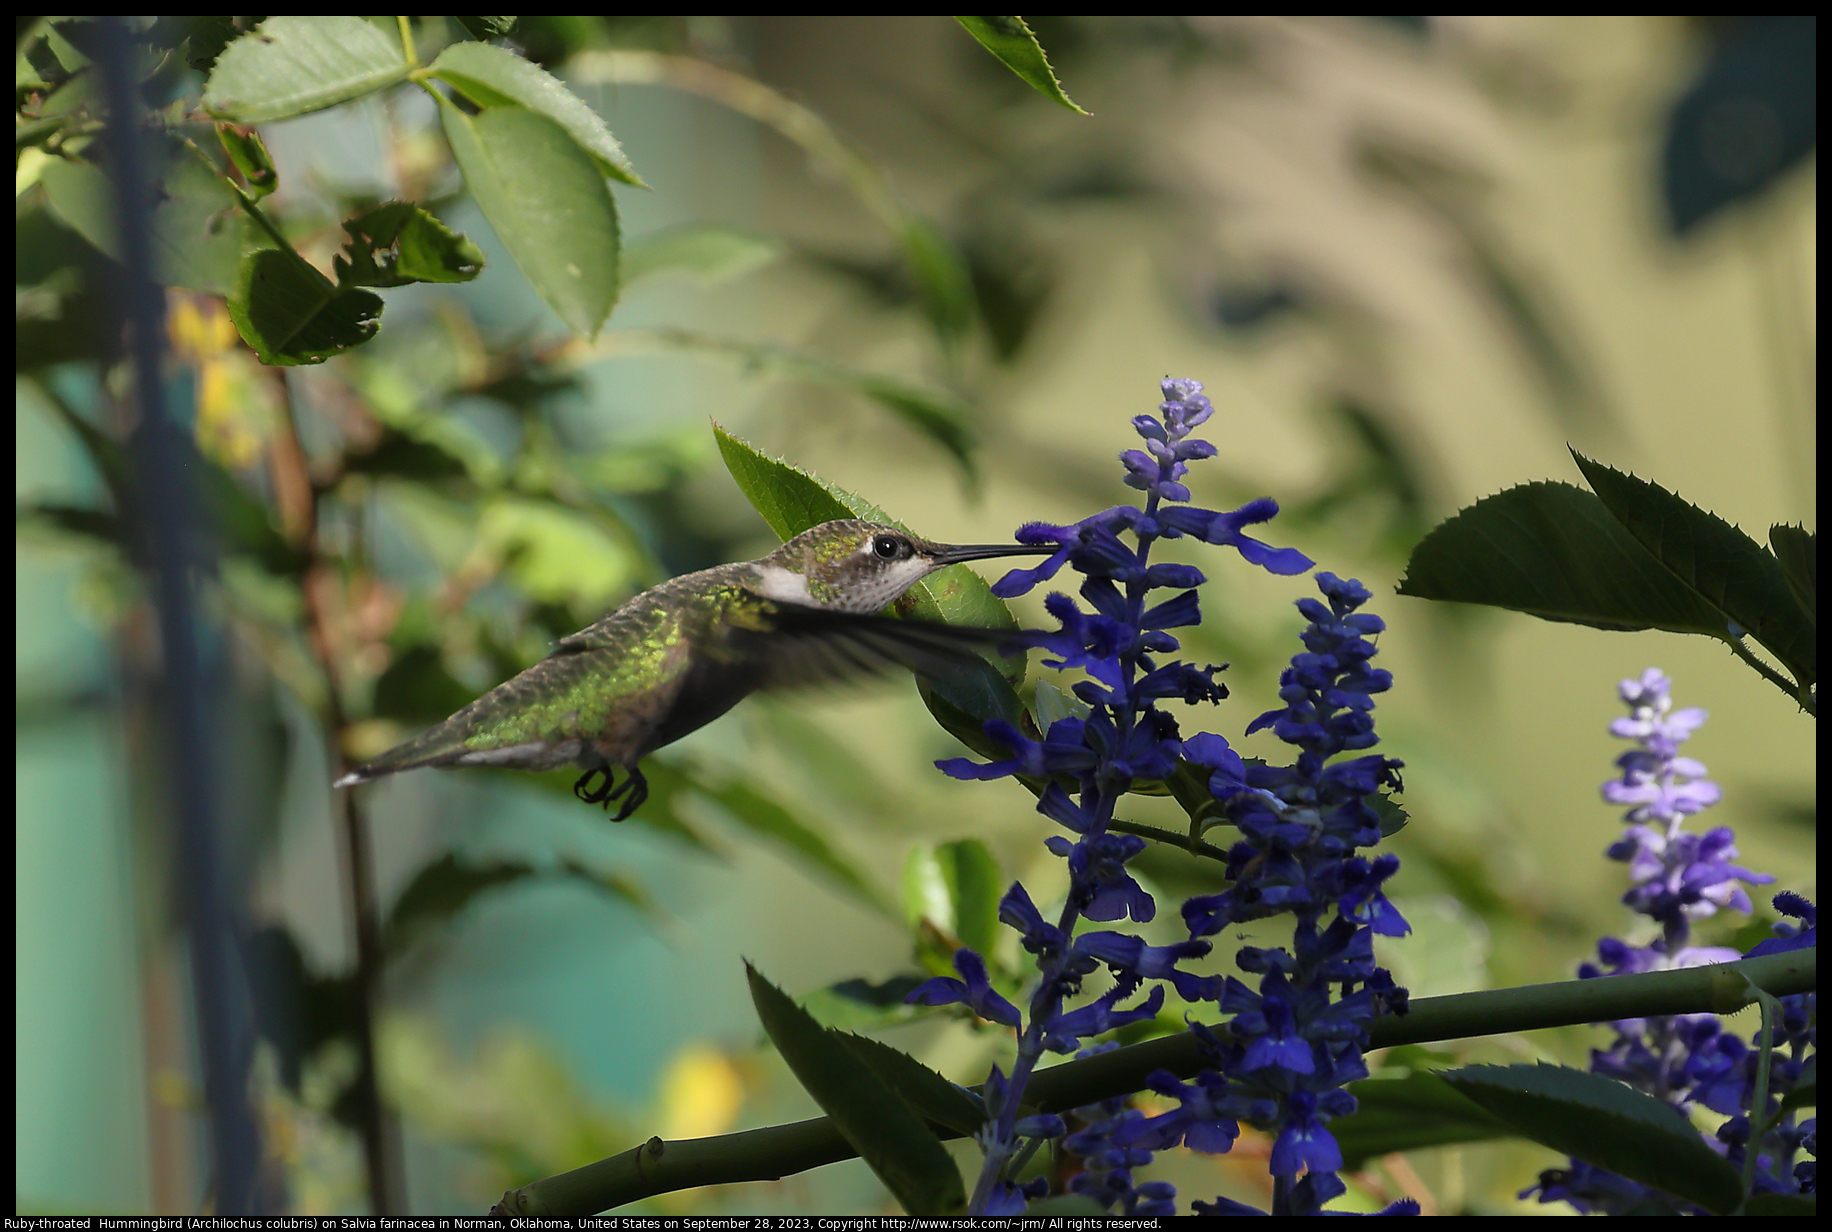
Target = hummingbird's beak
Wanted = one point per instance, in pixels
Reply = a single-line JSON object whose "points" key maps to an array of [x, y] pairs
{"points": [[954, 554]]}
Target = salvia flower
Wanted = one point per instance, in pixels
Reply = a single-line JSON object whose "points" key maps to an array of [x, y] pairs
{"points": [[1678, 877], [1293, 1043], [1294, 1038]]}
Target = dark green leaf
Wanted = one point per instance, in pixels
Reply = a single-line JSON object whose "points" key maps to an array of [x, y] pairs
{"points": [[90, 523], [416, 689], [1190, 788], [493, 76], [1406, 1114], [293, 64], [966, 699], [1553, 550], [291, 314], [1605, 1123], [859, 1005], [548, 202], [1798, 551], [1713, 559], [943, 284], [1393, 816], [244, 524], [486, 28], [1017, 48], [208, 37], [891, 1138], [296, 1010], [398, 455], [927, 1093], [446, 887], [412, 246]]}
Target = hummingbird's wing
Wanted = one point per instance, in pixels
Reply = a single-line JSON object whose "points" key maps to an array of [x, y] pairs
{"points": [[795, 645]]}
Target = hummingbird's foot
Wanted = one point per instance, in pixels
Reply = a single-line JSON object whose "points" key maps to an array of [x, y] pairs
{"points": [[636, 787]]}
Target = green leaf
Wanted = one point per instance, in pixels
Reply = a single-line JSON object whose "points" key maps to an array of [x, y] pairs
{"points": [[928, 1094], [1606, 1123], [1017, 48], [196, 244], [890, 1136], [400, 455], [1798, 551], [941, 417], [1407, 1114], [791, 501], [943, 283], [291, 64], [249, 154], [956, 886], [1189, 786], [208, 37], [1053, 703], [975, 884], [295, 1009], [446, 887], [768, 818], [398, 243], [548, 202], [493, 76], [486, 28], [860, 1005], [1393, 815], [90, 523], [1713, 559], [710, 254], [291, 314], [1554, 551], [417, 689], [244, 524]]}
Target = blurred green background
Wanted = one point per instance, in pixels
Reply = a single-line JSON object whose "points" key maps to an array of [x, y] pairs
{"points": [[1410, 261]]}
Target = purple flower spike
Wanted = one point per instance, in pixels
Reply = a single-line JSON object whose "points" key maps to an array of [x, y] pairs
{"points": [[1296, 1040], [1677, 877]]}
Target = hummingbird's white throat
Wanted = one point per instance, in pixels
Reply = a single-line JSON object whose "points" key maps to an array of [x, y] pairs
{"points": [[784, 585]]}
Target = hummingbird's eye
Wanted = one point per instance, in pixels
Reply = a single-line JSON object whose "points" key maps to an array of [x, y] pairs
{"points": [[889, 547]]}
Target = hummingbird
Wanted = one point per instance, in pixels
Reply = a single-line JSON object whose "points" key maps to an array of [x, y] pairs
{"points": [[679, 655]]}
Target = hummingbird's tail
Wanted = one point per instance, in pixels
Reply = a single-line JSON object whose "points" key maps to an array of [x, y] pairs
{"points": [[450, 744]]}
